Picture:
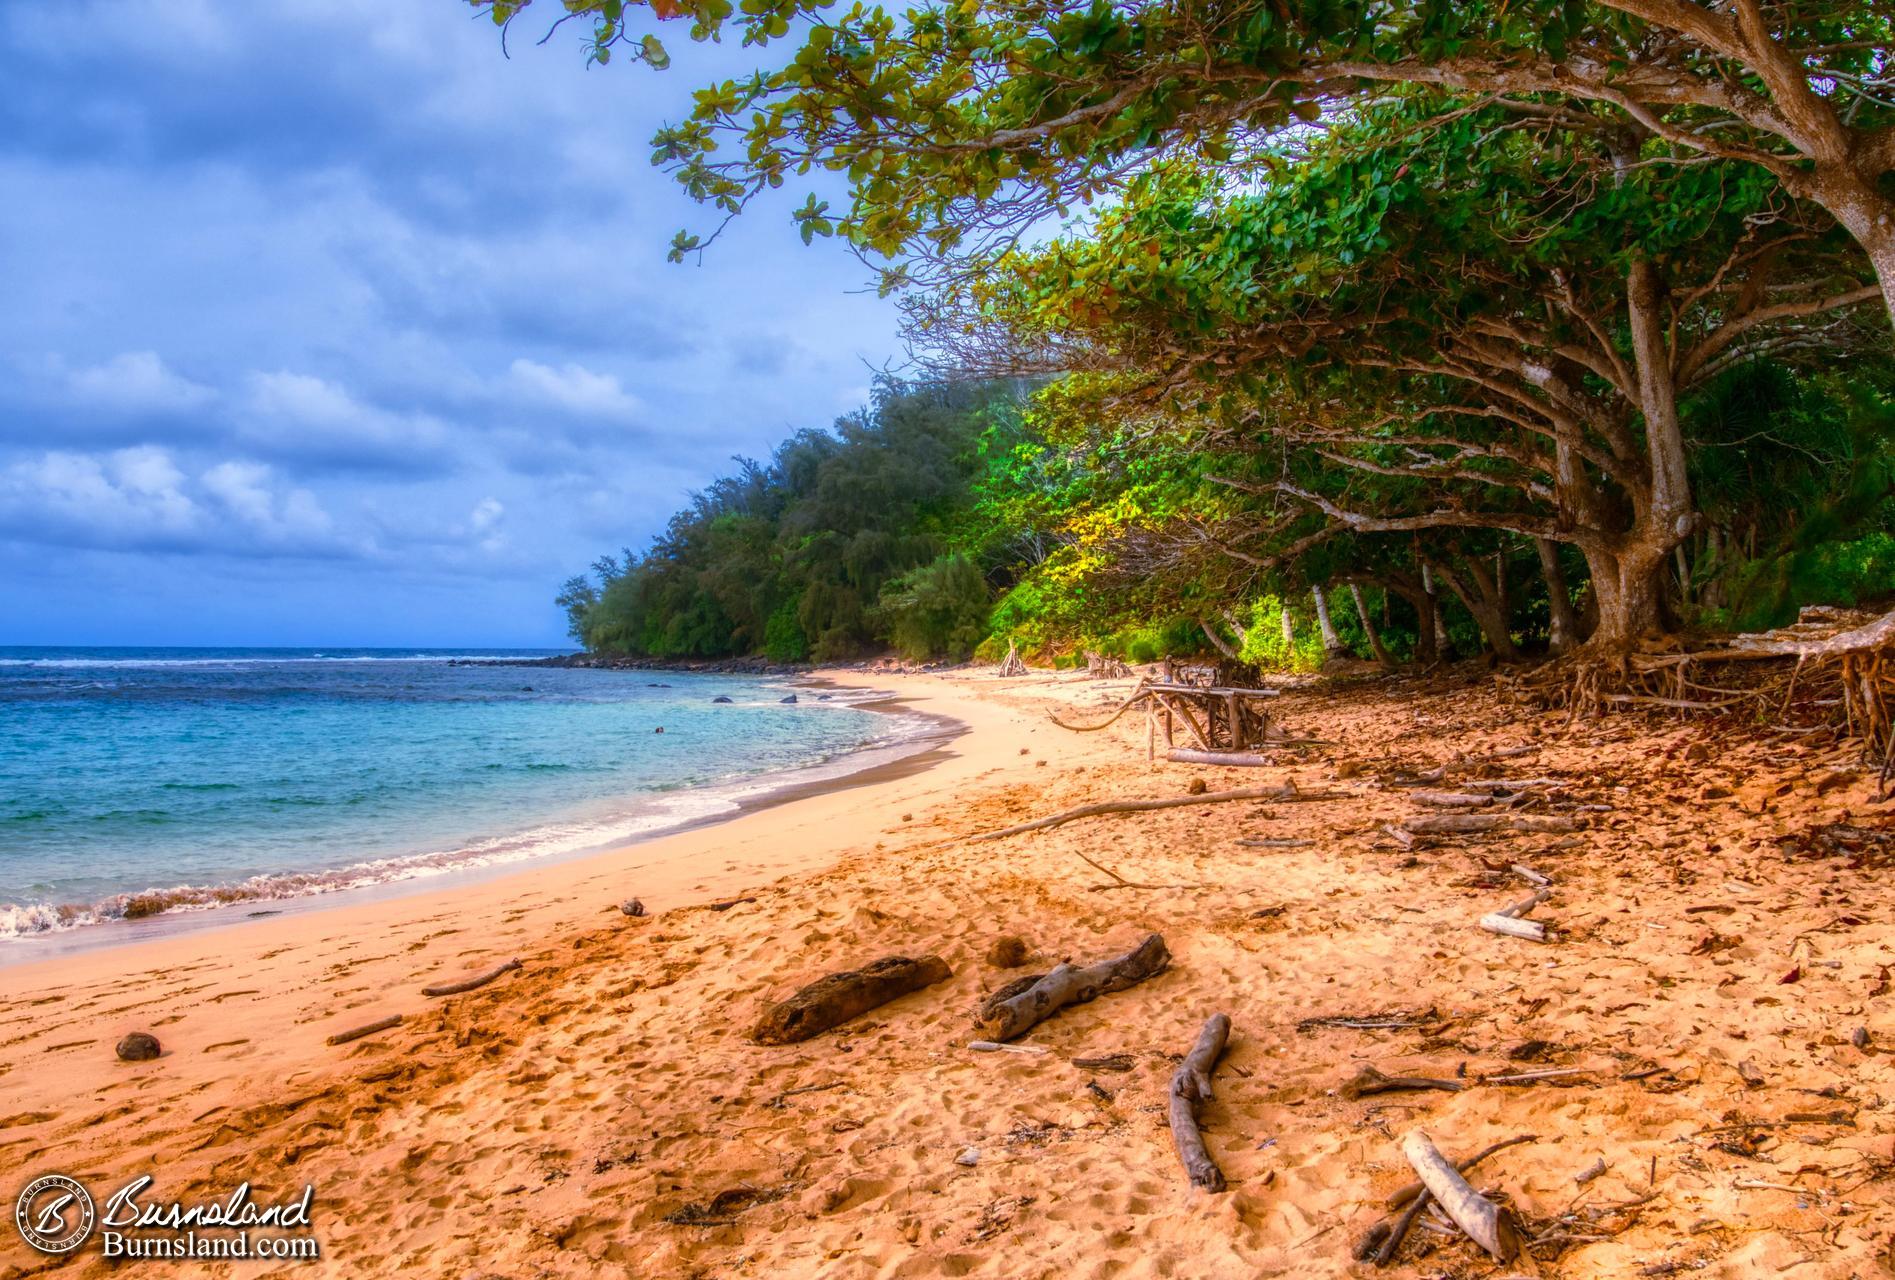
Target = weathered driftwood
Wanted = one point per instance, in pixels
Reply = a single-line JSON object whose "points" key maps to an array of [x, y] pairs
{"points": [[1234, 759], [1508, 920], [1190, 1086], [1020, 1005], [1369, 1080], [366, 1029], [471, 984], [1408, 1191], [1452, 799], [1475, 823], [1530, 930], [831, 1001], [1282, 794], [1489, 1225]]}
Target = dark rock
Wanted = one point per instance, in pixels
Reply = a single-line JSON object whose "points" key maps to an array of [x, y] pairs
{"points": [[721, 698], [632, 907], [138, 1047], [791, 700], [1009, 952]]}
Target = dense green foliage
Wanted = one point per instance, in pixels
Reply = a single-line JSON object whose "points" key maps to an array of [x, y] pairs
{"points": [[839, 545], [1574, 328]]}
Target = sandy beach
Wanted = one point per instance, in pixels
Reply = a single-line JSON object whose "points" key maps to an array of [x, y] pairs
{"points": [[1715, 1000]]}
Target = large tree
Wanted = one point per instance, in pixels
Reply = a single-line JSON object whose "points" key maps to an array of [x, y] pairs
{"points": [[958, 126], [1432, 328]]}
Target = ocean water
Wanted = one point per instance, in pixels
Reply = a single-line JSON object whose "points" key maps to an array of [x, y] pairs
{"points": [[142, 781]]}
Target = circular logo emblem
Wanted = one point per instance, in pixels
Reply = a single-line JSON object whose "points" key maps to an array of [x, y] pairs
{"points": [[55, 1214]]}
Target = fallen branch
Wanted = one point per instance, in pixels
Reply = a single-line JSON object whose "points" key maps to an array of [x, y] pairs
{"points": [[1276, 843], [1476, 823], [833, 1000], [1369, 1080], [1452, 799], [1020, 1005], [1408, 1191], [1190, 1087], [473, 983], [1488, 1224], [366, 1029], [1234, 759], [1507, 920], [1278, 794]]}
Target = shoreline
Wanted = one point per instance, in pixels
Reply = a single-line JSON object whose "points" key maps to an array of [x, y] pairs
{"points": [[666, 856], [744, 795]]}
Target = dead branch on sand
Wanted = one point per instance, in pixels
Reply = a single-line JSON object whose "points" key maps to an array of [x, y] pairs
{"points": [[1190, 1087], [366, 1029], [1026, 1002], [1281, 795], [1488, 1224], [1369, 1080], [473, 983]]}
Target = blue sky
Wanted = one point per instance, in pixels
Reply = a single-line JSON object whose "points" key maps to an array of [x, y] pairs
{"points": [[322, 323]]}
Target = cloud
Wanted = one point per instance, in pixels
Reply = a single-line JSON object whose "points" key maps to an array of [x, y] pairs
{"points": [[576, 389], [137, 382], [141, 500], [313, 421]]}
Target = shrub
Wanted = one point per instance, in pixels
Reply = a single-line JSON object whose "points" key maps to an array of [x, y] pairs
{"points": [[939, 610]]}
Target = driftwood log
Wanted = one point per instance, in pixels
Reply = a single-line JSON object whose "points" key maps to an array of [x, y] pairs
{"points": [[366, 1029], [1234, 759], [1488, 1224], [1283, 794], [1508, 920], [832, 1001], [1021, 1005], [1408, 1191], [1476, 823], [471, 984], [1190, 1087]]}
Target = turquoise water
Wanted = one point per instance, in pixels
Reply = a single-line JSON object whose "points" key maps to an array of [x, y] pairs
{"points": [[142, 780]]}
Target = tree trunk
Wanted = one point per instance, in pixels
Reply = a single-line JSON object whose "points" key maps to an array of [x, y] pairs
{"points": [[1289, 633], [1563, 627], [1869, 216], [1427, 652], [1368, 626], [1332, 643], [1223, 646], [1482, 598], [1625, 590], [1434, 621]]}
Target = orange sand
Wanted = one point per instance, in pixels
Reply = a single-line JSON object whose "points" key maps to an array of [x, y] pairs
{"points": [[601, 1111]]}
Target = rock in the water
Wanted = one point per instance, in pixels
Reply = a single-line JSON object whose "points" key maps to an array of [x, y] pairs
{"points": [[791, 700], [138, 1047], [721, 698], [1009, 952]]}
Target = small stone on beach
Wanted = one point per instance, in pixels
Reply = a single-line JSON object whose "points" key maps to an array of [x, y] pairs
{"points": [[970, 1157], [138, 1047], [1008, 952]]}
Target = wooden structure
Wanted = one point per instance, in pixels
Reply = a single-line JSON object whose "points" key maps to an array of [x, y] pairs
{"points": [[1216, 717]]}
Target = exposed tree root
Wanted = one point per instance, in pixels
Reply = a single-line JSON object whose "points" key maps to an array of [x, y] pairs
{"points": [[1820, 671]]}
